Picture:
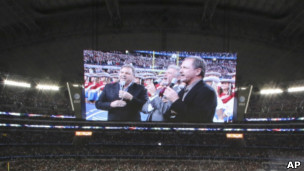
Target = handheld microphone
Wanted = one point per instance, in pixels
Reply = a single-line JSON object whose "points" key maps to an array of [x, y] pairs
{"points": [[155, 82], [122, 84], [173, 82]]}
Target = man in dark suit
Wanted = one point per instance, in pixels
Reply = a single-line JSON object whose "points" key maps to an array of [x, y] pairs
{"points": [[123, 99], [197, 102]]}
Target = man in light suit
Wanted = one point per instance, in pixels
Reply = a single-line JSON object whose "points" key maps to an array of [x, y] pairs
{"points": [[123, 99], [157, 106], [198, 101]]}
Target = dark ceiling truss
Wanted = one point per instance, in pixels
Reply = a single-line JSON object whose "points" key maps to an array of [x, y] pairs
{"points": [[113, 9], [269, 21], [295, 25], [209, 8], [15, 13]]}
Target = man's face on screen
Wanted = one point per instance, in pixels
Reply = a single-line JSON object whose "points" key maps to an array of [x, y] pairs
{"points": [[170, 74], [188, 72], [126, 75]]}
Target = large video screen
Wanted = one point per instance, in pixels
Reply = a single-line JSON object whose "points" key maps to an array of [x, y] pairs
{"points": [[159, 86]]}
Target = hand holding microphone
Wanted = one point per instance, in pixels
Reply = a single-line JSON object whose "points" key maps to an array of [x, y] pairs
{"points": [[151, 89], [171, 85], [173, 82], [122, 84], [171, 94], [125, 95]]}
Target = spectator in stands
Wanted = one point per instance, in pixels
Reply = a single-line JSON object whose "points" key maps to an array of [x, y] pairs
{"points": [[96, 90], [123, 99], [227, 95], [214, 82], [114, 78], [138, 79]]}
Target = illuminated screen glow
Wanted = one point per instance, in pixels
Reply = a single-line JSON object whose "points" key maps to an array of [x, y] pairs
{"points": [[103, 67]]}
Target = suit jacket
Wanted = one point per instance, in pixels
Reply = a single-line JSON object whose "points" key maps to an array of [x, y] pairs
{"points": [[198, 106], [131, 112], [159, 107]]}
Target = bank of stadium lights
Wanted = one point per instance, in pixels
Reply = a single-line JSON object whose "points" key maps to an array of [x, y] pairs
{"points": [[28, 85], [279, 91], [271, 91], [47, 87], [17, 83], [295, 89]]}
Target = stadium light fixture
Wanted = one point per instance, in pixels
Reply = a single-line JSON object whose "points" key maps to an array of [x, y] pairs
{"points": [[271, 91], [47, 87], [295, 89], [17, 83], [83, 133], [234, 135]]}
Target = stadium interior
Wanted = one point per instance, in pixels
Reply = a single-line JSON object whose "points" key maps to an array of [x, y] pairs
{"points": [[43, 48]]}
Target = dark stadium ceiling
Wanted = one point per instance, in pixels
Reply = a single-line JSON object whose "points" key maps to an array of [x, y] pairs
{"points": [[268, 35]]}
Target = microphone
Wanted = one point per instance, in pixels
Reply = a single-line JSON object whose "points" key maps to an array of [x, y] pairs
{"points": [[155, 82], [122, 84], [173, 82]]}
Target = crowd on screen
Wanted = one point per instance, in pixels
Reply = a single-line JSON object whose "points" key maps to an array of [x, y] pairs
{"points": [[138, 60], [119, 59]]}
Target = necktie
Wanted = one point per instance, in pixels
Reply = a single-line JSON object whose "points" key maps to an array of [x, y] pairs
{"points": [[185, 93]]}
